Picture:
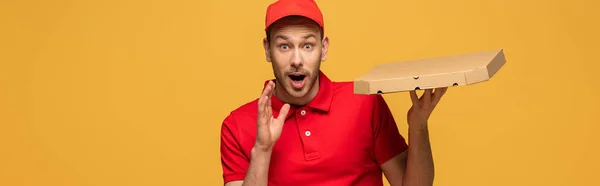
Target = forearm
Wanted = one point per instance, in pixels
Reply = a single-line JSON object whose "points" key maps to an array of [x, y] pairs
{"points": [[419, 166], [258, 170]]}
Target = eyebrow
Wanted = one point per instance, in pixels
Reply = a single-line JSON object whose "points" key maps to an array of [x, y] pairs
{"points": [[281, 37], [303, 37], [309, 36]]}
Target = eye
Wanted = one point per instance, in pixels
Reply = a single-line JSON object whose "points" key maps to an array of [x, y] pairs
{"points": [[307, 46], [284, 47]]}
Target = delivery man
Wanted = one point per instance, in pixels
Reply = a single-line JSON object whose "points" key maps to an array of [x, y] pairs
{"points": [[306, 129]]}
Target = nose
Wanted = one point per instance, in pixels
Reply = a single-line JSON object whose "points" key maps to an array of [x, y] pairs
{"points": [[297, 58]]}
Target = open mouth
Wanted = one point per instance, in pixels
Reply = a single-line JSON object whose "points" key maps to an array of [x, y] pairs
{"points": [[297, 80], [297, 77]]}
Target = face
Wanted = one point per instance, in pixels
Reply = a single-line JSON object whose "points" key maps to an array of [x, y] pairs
{"points": [[296, 49]]}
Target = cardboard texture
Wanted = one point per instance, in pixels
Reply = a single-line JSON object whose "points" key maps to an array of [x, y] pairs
{"points": [[445, 71]]}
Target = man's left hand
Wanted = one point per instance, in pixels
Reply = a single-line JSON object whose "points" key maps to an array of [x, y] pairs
{"points": [[422, 107]]}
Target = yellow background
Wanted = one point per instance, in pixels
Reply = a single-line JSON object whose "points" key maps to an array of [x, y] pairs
{"points": [[127, 92]]}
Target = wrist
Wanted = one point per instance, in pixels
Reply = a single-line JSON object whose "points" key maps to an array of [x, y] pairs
{"points": [[261, 150], [418, 127], [262, 146], [260, 156]]}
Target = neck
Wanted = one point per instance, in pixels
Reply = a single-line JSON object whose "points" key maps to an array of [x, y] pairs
{"points": [[282, 95]]}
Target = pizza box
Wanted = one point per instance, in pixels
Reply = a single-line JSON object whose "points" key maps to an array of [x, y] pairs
{"points": [[445, 71]]}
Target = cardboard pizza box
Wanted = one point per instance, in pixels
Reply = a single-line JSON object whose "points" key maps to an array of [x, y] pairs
{"points": [[446, 71]]}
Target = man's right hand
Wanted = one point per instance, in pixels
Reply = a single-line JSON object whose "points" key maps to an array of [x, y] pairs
{"points": [[268, 128], [267, 133]]}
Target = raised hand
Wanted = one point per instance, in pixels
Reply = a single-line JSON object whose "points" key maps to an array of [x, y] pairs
{"points": [[268, 127], [422, 107]]}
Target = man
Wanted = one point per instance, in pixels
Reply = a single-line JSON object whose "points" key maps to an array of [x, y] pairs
{"points": [[305, 129]]}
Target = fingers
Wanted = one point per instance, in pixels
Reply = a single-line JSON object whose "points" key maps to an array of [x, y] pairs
{"points": [[283, 112], [264, 102], [268, 89], [427, 97], [414, 98], [268, 109], [270, 93], [261, 109], [437, 95]]}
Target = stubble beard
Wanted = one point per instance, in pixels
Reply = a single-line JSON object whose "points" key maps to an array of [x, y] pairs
{"points": [[283, 82]]}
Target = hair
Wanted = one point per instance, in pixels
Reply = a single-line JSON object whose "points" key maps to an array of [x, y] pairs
{"points": [[292, 18]]}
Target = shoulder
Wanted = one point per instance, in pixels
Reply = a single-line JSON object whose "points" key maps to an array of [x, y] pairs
{"points": [[345, 90], [372, 105], [243, 111], [241, 116]]}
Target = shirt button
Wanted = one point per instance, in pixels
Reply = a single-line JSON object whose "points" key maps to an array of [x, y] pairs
{"points": [[303, 112], [307, 133]]}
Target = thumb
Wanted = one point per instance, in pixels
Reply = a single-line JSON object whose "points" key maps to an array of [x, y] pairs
{"points": [[283, 112]]}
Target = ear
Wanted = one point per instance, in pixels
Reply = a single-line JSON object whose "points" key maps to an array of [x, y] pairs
{"points": [[324, 49], [267, 49]]}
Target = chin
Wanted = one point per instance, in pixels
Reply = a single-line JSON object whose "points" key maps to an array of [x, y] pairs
{"points": [[298, 93]]}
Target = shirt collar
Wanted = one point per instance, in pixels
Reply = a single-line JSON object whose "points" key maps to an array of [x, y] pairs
{"points": [[322, 101]]}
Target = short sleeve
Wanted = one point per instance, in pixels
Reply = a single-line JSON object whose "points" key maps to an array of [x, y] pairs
{"points": [[387, 139], [233, 161]]}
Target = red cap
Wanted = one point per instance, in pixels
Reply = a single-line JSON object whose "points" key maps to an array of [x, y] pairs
{"points": [[283, 8]]}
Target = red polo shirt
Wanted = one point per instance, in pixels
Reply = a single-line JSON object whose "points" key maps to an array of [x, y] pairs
{"points": [[339, 138]]}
